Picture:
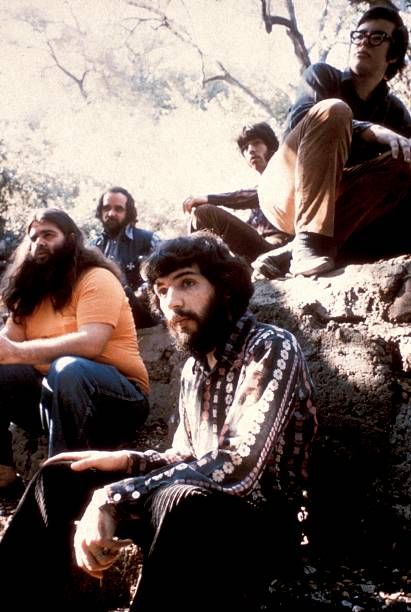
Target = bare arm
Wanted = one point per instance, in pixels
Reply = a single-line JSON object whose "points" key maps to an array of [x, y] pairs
{"points": [[89, 341], [13, 331], [95, 546], [105, 461]]}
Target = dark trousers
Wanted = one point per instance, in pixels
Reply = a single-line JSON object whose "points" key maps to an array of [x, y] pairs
{"points": [[202, 551], [240, 237]]}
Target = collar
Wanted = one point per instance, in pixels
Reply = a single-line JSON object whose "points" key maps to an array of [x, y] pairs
{"points": [[128, 231], [380, 91]]}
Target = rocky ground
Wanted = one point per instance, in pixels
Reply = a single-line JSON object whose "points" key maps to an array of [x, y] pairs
{"points": [[327, 582], [359, 352]]}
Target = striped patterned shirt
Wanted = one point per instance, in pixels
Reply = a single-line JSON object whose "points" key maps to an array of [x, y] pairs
{"points": [[245, 427]]}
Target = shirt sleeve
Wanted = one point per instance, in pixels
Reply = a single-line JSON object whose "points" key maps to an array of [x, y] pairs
{"points": [[237, 200], [399, 117], [274, 385], [319, 82], [98, 289]]}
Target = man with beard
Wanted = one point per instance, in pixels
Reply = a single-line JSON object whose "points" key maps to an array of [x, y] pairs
{"points": [[257, 143], [127, 245], [215, 514], [68, 345]]}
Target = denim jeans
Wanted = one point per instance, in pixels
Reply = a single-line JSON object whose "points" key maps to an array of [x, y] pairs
{"points": [[80, 403]]}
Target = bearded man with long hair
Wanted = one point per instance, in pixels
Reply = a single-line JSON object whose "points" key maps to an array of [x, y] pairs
{"points": [[69, 355]]}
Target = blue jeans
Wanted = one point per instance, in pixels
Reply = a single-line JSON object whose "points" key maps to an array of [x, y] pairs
{"points": [[83, 404]]}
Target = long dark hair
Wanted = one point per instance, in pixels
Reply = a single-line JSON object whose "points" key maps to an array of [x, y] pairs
{"points": [[21, 291], [229, 274]]}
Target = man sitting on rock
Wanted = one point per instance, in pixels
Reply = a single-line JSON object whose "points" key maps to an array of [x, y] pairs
{"points": [[69, 355], [215, 514], [345, 158], [257, 143], [127, 245]]}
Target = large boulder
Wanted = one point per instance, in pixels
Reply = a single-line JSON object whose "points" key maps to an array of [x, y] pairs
{"points": [[357, 342], [360, 359]]}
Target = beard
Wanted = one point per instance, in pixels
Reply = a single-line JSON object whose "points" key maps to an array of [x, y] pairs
{"points": [[47, 275], [213, 328], [113, 227]]}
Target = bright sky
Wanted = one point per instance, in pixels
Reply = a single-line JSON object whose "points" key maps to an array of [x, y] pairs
{"points": [[186, 151]]}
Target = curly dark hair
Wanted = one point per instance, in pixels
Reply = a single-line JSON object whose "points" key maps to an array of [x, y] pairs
{"points": [[131, 210], [229, 274], [21, 291], [258, 130], [399, 44]]}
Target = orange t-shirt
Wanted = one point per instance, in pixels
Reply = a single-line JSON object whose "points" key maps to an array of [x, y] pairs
{"points": [[98, 297]]}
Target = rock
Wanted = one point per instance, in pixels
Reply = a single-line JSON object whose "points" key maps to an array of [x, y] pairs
{"points": [[360, 358], [359, 352]]}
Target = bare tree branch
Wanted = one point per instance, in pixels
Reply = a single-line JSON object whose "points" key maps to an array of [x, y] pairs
{"points": [[162, 20], [79, 81], [292, 30], [229, 78]]}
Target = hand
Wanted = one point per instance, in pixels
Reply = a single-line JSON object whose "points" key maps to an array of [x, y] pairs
{"points": [[397, 142], [192, 202], [95, 547], [106, 461]]}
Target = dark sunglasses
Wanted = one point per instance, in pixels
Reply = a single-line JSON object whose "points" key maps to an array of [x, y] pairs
{"points": [[373, 39]]}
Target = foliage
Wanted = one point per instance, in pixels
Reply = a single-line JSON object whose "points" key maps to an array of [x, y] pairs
{"points": [[148, 95]]}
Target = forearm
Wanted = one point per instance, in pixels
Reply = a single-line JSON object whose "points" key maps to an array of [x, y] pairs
{"points": [[45, 350], [242, 199]]}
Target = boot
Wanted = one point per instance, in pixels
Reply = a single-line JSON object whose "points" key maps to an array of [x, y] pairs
{"points": [[273, 264]]}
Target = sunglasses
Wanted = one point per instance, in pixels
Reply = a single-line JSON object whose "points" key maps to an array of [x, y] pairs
{"points": [[373, 39]]}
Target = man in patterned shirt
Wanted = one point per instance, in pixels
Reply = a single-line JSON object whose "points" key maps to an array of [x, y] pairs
{"points": [[210, 510]]}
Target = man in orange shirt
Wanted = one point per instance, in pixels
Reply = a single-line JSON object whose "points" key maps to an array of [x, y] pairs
{"points": [[69, 345]]}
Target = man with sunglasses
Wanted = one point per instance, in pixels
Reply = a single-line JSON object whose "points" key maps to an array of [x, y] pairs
{"points": [[345, 158]]}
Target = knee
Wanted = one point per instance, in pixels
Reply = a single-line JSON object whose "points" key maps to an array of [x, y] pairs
{"points": [[201, 215], [333, 112], [66, 370]]}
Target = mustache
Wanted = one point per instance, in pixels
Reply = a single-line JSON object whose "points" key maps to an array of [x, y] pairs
{"points": [[180, 313], [41, 250]]}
